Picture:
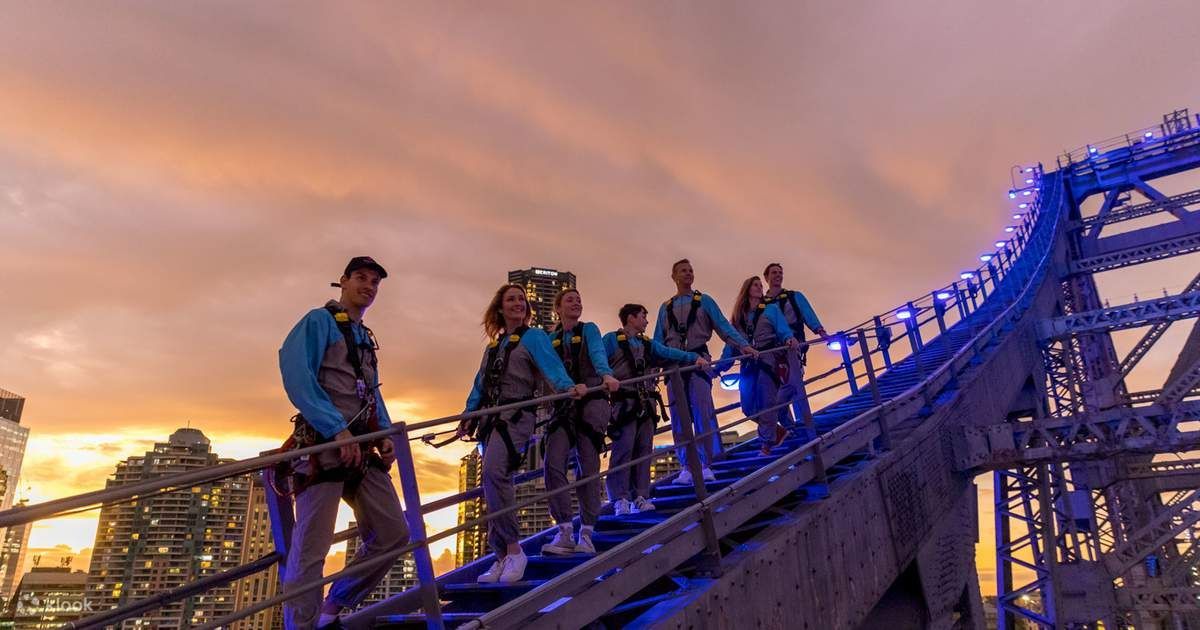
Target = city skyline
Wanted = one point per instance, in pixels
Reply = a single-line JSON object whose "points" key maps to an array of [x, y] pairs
{"points": [[160, 197]]}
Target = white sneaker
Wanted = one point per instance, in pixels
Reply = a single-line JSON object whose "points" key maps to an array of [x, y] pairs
{"points": [[643, 505], [514, 567], [684, 478], [492, 575], [707, 473], [562, 545], [621, 507], [585, 542]]}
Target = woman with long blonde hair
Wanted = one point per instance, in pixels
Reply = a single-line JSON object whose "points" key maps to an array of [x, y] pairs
{"points": [[516, 360], [763, 378]]}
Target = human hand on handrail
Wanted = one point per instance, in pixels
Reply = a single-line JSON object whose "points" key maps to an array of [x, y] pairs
{"points": [[577, 391], [611, 383], [387, 451], [349, 454]]}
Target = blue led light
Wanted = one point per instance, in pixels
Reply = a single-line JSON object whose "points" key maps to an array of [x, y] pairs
{"points": [[904, 314], [1029, 170], [1029, 181], [1093, 150], [1027, 193], [1149, 134], [1021, 206], [1012, 195], [729, 382], [1010, 229], [834, 345], [943, 295], [1001, 244], [967, 275], [985, 257]]}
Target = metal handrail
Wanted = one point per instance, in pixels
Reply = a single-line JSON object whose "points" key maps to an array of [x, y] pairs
{"points": [[581, 576], [183, 480], [391, 555]]}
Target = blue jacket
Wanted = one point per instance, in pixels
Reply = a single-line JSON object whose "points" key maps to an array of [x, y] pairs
{"points": [[658, 350], [595, 364], [318, 376], [770, 329], [534, 355], [806, 316], [709, 319]]}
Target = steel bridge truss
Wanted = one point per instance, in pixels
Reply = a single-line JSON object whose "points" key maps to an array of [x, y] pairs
{"points": [[1084, 535]]}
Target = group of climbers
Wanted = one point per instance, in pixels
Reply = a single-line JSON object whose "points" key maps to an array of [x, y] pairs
{"points": [[575, 359], [330, 373]]}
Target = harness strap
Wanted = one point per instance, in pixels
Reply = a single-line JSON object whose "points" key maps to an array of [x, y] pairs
{"points": [[673, 321], [569, 345]]}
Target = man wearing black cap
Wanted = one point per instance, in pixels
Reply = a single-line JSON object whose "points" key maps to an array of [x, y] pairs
{"points": [[330, 373]]}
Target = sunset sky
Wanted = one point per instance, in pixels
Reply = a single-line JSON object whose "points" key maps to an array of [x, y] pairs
{"points": [[179, 182]]}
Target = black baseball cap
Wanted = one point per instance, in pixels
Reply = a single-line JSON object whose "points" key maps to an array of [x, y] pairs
{"points": [[364, 262]]}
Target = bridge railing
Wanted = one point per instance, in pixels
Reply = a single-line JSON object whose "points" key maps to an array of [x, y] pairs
{"points": [[895, 335], [1143, 138]]}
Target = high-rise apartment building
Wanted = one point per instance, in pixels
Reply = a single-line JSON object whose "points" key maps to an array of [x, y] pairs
{"points": [[157, 543], [13, 438], [541, 286], [401, 577], [257, 541]]}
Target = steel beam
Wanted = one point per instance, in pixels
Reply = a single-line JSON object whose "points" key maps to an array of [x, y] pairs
{"points": [[1149, 429], [1178, 516], [1153, 335], [1164, 309], [1186, 242], [1185, 375], [1159, 599], [1137, 211]]}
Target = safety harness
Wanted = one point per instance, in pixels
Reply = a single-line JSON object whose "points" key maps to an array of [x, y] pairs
{"points": [[568, 414], [673, 322], [645, 396], [305, 435], [759, 364], [798, 327], [478, 429]]}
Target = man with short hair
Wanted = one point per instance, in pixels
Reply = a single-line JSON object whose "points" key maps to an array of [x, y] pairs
{"points": [[635, 407], [330, 373], [798, 313], [687, 321]]}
